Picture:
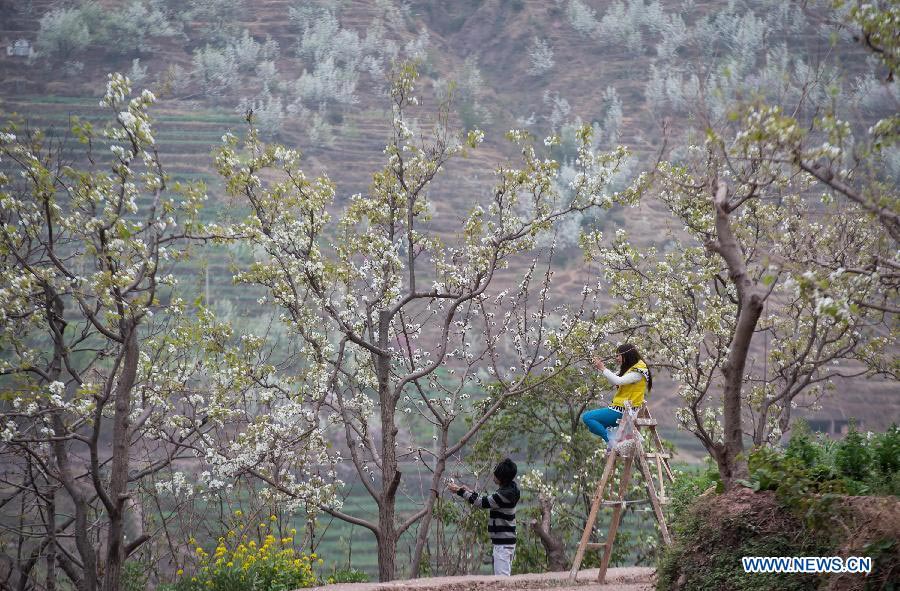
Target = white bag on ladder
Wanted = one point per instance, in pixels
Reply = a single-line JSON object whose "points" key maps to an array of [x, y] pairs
{"points": [[626, 433]]}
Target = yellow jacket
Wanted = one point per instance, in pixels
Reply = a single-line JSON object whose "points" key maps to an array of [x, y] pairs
{"points": [[633, 393]]}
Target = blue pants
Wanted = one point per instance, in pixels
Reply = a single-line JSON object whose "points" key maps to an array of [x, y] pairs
{"points": [[598, 421]]}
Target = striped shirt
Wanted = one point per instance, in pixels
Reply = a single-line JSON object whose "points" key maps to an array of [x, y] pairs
{"points": [[502, 516]]}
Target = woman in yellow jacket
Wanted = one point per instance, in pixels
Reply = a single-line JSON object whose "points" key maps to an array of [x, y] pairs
{"points": [[633, 380]]}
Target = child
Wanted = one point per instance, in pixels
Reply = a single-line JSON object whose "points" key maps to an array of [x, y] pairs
{"points": [[502, 518]]}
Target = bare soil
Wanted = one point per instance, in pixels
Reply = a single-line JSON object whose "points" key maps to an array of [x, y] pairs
{"points": [[617, 579]]}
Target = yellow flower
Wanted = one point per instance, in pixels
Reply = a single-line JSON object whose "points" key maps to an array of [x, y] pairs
{"points": [[179, 572], [192, 541], [230, 564], [238, 513], [252, 544], [272, 518], [293, 531]]}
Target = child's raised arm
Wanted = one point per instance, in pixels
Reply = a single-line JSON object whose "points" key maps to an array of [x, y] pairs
{"points": [[494, 501]]}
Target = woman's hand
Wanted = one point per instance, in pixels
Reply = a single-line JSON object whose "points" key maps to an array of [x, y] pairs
{"points": [[598, 363], [454, 488]]}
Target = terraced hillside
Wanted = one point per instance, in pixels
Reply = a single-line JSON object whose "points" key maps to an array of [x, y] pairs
{"points": [[494, 35]]}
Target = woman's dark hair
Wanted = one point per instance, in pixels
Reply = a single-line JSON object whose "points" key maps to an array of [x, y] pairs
{"points": [[630, 356]]}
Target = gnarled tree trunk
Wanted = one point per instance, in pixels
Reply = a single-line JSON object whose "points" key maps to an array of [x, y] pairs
{"points": [[553, 546]]}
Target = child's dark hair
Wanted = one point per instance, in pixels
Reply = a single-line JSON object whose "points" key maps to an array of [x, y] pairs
{"points": [[505, 471], [630, 356]]}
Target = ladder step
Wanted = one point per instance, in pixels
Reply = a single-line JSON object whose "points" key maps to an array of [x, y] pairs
{"points": [[612, 503], [645, 422], [595, 545], [664, 456]]}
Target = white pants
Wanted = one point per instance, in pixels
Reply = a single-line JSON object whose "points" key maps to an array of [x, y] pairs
{"points": [[503, 559]]}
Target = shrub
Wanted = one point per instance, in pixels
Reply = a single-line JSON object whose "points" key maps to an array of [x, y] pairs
{"points": [[216, 18], [138, 73], [175, 79], [688, 486], [268, 113], [63, 32], [273, 565], [245, 51], [541, 56], [328, 83], [582, 17], [810, 471], [886, 450], [802, 448], [126, 30], [134, 577], [215, 69], [347, 575], [267, 73], [853, 458]]}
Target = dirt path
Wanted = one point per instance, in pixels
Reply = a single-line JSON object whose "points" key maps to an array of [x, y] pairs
{"points": [[617, 579]]}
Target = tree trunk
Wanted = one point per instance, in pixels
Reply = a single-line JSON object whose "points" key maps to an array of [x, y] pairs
{"points": [[425, 525], [732, 465], [51, 545], [553, 546], [390, 476], [387, 526], [118, 484], [88, 581], [759, 429], [387, 543]]}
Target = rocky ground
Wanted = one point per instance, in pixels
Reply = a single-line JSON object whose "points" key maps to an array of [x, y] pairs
{"points": [[617, 579]]}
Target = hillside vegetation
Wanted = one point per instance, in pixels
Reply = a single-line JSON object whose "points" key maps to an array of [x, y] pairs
{"points": [[315, 75], [273, 274]]}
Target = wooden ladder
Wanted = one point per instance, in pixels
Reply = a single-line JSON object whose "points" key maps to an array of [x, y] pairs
{"points": [[644, 428]]}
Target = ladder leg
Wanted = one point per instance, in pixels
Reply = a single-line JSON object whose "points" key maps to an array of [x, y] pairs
{"points": [[659, 447], [659, 474], [654, 444], [616, 518], [651, 490], [592, 517]]}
